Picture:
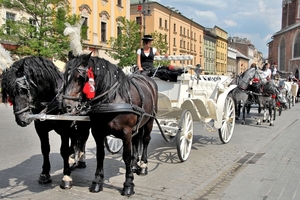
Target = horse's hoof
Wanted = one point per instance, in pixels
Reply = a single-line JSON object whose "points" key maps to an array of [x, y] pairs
{"points": [[96, 187], [258, 123], [134, 169], [128, 191], [243, 123], [271, 124], [45, 178], [142, 171], [264, 121], [66, 184], [81, 165]]}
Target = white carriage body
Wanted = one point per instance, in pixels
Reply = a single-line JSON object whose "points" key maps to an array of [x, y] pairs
{"points": [[203, 95]]}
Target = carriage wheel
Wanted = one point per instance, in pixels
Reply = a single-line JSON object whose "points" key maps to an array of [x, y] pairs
{"points": [[113, 144], [184, 135], [228, 121]]}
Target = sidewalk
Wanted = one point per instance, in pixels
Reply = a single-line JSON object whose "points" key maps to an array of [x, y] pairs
{"points": [[272, 172]]}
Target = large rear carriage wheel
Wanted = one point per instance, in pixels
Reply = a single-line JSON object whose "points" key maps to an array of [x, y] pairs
{"points": [[228, 120], [113, 144], [184, 135]]}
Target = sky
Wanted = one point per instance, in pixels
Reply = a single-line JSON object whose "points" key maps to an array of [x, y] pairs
{"points": [[256, 20]]}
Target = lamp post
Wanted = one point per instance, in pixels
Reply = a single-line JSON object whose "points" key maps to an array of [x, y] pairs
{"points": [[145, 12]]}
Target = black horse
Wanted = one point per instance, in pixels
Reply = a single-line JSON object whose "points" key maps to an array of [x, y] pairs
{"points": [[32, 85], [123, 106]]}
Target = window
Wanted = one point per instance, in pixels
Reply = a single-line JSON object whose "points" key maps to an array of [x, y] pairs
{"points": [[174, 27], [282, 55], [103, 32], [119, 31], [174, 42], [33, 24], [10, 19], [166, 38], [119, 3], [297, 46], [166, 24], [160, 22], [84, 28], [180, 30], [138, 20], [10, 16]]}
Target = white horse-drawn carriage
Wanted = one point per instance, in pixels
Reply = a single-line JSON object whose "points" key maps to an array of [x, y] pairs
{"points": [[192, 98]]}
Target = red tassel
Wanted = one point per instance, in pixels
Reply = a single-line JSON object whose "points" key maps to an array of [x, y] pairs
{"points": [[89, 88], [9, 101], [278, 103]]}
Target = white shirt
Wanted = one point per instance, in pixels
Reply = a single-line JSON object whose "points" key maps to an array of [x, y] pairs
{"points": [[146, 54], [274, 71], [266, 73]]}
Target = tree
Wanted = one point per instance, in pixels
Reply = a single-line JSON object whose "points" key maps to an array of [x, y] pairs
{"points": [[159, 41], [42, 34], [124, 47]]}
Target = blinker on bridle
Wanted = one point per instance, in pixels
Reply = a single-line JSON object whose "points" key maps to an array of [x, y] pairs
{"points": [[22, 83]]}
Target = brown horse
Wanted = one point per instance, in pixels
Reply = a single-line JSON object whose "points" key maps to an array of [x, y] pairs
{"points": [[118, 104]]}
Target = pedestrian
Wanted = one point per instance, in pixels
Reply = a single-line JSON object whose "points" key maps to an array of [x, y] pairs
{"points": [[145, 55], [266, 71], [273, 69]]}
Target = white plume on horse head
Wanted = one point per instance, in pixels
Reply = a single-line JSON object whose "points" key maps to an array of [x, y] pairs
{"points": [[75, 38], [5, 58]]}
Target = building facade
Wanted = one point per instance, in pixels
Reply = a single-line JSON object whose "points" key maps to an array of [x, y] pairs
{"points": [[221, 50], [102, 21], [183, 35], [209, 51], [285, 45]]}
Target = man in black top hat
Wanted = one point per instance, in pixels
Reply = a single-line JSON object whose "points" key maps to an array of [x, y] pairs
{"points": [[145, 55]]}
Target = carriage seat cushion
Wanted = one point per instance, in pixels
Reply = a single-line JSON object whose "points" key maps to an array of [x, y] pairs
{"points": [[205, 87]]}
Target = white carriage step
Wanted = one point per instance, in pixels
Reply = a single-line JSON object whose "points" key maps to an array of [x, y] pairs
{"points": [[174, 57]]}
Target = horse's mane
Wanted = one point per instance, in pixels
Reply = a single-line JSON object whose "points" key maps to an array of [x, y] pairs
{"points": [[40, 70], [106, 75]]}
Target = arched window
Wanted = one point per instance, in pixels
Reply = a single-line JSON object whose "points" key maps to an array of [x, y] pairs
{"points": [[297, 46], [282, 55]]}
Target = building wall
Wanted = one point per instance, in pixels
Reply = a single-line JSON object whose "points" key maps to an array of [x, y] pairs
{"points": [[281, 48], [96, 12], [209, 53], [183, 35], [221, 51]]}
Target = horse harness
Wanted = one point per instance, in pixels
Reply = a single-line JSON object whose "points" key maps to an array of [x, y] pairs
{"points": [[100, 107], [23, 83]]}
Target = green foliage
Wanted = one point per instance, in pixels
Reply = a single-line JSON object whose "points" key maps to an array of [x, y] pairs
{"points": [[162, 47], [124, 47], [42, 34]]}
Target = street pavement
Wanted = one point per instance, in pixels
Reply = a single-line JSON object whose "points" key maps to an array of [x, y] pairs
{"points": [[260, 162]]}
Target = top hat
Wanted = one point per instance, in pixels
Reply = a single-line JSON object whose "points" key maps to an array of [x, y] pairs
{"points": [[147, 37]]}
